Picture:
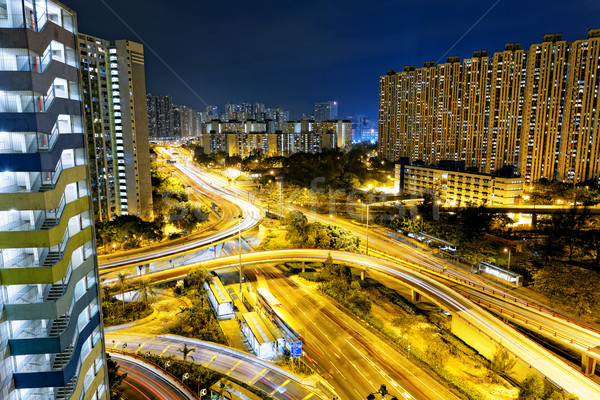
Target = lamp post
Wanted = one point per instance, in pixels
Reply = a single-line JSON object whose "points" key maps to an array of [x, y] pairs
{"points": [[367, 228], [240, 249], [362, 218], [508, 250], [383, 392]]}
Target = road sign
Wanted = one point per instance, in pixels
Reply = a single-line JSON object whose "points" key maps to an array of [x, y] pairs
{"points": [[296, 349]]}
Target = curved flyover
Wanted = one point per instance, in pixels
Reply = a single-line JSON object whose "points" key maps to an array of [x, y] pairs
{"points": [[485, 329], [251, 216]]}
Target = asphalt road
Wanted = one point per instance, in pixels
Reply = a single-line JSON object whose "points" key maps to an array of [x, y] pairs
{"points": [[447, 298], [230, 362], [144, 384], [353, 359]]}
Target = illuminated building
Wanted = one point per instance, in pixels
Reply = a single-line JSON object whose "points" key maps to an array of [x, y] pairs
{"points": [[535, 110], [51, 333], [160, 116], [326, 111], [115, 113], [456, 188]]}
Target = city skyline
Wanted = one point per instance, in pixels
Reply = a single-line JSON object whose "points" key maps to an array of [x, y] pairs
{"points": [[296, 55]]}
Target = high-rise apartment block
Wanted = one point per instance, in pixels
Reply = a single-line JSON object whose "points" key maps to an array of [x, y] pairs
{"points": [[251, 137], [536, 110], [114, 97], [326, 111], [51, 337], [160, 116]]}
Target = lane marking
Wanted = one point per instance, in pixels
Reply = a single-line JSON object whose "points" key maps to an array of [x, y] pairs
{"points": [[211, 360], [308, 396], [234, 367], [163, 352], [280, 387], [251, 381]]}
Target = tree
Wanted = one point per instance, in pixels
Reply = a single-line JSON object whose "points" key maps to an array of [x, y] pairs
{"points": [[501, 364], [145, 291], [198, 276], [114, 378], [185, 351], [225, 387], [187, 215], [532, 388], [122, 276]]}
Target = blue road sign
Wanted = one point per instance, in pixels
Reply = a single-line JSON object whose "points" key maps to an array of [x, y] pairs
{"points": [[297, 349]]}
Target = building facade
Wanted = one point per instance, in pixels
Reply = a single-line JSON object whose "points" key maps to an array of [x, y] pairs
{"points": [[456, 188], [129, 108], [251, 137], [112, 77], [51, 336], [160, 116], [535, 110], [326, 111]]}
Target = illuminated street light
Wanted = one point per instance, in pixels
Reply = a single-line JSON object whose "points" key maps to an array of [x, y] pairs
{"points": [[508, 250], [240, 249], [367, 228]]}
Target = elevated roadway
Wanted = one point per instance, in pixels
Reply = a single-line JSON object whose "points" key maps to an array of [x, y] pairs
{"points": [[484, 330]]}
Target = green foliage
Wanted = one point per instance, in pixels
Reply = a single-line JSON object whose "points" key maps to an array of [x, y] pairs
{"points": [[337, 282], [115, 313], [198, 376], [501, 364], [185, 351], [114, 378], [145, 291], [198, 321], [197, 277], [532, 388], [304, 234], [545, 192], [187, 215], [128, 230], [569, 285]]}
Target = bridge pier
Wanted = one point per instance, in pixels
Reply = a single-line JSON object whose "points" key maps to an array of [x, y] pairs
{"points": [[534, 220], [363, 274], [588, 365], [416, 296], [303, 266]]}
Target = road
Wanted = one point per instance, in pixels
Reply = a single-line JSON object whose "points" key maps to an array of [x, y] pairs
{"points": [[240, 366], [447, 298], [251, 216], [527, 313], [144, 383], [353, 359]]}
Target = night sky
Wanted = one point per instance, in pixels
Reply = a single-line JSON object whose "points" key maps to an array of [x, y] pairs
{"points": [[293, 53]]}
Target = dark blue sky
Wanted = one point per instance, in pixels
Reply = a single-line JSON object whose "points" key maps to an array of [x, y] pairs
{"points": [[293, 53]]}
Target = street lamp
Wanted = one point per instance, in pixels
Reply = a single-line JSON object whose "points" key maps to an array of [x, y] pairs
{"points": [[508, 250], [383, 392], [419, 217], [240, 249], [367, 228], [362, 213]]}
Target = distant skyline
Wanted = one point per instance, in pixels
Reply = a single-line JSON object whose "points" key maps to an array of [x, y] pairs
{"points": [[295, 54]]}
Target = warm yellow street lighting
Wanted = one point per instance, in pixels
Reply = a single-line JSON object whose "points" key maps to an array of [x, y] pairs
{"points": [[508, 250]]}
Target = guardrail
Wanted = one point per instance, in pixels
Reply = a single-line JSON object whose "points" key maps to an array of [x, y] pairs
{"points": [[444, 274]]}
